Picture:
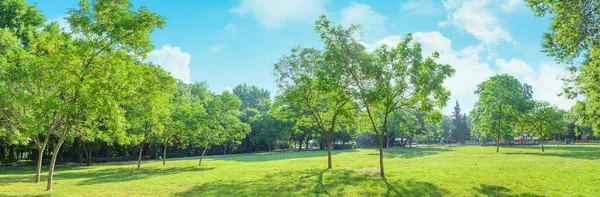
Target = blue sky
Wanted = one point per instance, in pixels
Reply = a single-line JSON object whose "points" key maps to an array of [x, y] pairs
{"points": [[230, 42]]}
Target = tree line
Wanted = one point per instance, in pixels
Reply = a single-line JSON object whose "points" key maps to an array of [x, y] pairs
{"points": [[89, 91]]}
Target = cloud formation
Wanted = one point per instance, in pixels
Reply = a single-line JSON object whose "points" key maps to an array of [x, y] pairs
{"points": [[276, 13], [471, 70], [478, 18], [173, 60]]}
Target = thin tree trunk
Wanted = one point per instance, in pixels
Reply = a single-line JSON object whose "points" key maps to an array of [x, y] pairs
{"points": [[498, 143], [39, 165], [202, 156], [88, 156], [542, 139], [329, 165], [53, 161], [300, 145], [165, 154], [140, 155], [381, 155], [41, 150]]}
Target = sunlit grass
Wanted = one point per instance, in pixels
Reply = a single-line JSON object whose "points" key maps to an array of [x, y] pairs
{"points": [[423, 171]]}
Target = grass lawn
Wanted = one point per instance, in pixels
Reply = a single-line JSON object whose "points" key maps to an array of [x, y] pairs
{"points": [[423, 171]]}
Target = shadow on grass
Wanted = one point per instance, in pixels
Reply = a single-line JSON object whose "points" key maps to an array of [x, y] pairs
{"points": [[112, 175], [574, 151], [27, 174], [494, 190], [409, 153], [125, 174], [315, 182], [282, 155]]}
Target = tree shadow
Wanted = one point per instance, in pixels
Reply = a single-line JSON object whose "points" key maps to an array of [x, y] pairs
{"points": [[91, 177], [316, 182], [12, 175], [494, 190], [574, 151], [115, 175], [409, 153], [263, 157], [413, 188]]}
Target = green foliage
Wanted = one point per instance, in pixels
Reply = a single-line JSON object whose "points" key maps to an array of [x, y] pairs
{"points": [[385, 80], [574, 38], [269, 130], [543, 120], [501, 102], [307, 95], [253, 97], [460, 131]]}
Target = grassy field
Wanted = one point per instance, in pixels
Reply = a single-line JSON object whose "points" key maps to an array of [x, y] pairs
{"points": [[423, 171]]}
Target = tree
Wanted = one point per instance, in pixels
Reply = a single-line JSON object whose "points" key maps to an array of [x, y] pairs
{"points": [[385, 80], [309, 90], [253, 97], [184, 116], [501, 102], [155, 91], [94, 67], [460, 131], [269, 130], [222, 123], [29, 98], [446, 128], [574, 35], [543, 120]]}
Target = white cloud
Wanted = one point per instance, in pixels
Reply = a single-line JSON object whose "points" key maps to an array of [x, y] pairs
{"points": [[217, 48], [510, 5], [547, 84], [275, 13], [390, 41], [362, 14], [470, 70], [229, 89], [230, 28], [174, 60], [477, 17], [422, 7], [514, 67]]}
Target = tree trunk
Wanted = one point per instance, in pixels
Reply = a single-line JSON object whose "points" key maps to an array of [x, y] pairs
{"points": [[88, 155], [387, 143], [542, 139], [307, 141], [498, 144], [202, 156], [300, 145], [381, 155], [224, 149], [329, 165], [165, 154], [39, 165], [53, 162], [41, 150], [140, 155]]}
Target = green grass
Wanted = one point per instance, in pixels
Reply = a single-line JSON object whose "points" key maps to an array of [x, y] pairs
{"points": [[423, 171]]}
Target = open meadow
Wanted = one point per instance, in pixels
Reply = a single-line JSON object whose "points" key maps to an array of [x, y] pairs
{"points": [[422, 171]]}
